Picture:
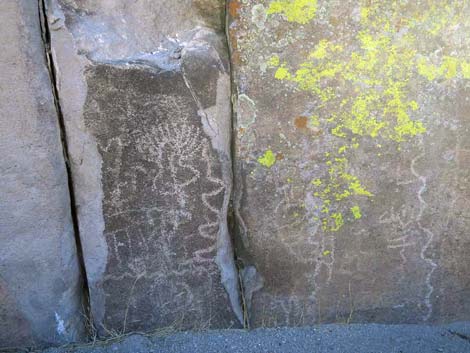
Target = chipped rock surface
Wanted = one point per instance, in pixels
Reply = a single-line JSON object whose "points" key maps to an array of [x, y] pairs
{"points": [[40, 288], [144, 88], [352, 159]]}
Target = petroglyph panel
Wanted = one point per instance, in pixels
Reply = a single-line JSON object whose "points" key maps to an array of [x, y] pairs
{"points": [[163, 194], [351, 172]]}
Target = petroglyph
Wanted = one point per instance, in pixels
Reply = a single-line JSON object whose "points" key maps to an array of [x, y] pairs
{"points": [[164, 192], [428, 241]]}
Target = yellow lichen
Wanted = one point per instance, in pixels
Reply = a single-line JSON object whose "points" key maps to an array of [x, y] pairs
{"points": [[268, 159], [356, 187], [282, 73], [274, 61], [448, 69], [314, 120], [300, 11], [338, 221], [431, 72], [320, 50], [356, 211], [465, 67], [316, 182]]}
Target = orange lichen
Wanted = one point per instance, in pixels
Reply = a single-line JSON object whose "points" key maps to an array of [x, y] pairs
{"points": [[233, 7]]}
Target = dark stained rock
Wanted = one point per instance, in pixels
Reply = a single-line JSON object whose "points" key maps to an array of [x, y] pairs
{"points": [[163, 195], [40, 285], [351, 155]]}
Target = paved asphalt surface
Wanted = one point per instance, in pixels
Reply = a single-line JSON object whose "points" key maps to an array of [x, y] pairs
{"points": [[369, 338]]}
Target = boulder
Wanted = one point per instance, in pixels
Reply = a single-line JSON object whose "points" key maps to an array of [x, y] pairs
{"points": [[40, 284], [145, 92], [352, 160]]}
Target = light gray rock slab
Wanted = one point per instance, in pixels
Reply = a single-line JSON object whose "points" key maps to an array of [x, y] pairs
{"points": [[40, 285]]}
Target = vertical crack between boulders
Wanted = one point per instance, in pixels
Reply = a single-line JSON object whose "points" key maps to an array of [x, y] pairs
{"points": [[232, 219], [46, 38]]}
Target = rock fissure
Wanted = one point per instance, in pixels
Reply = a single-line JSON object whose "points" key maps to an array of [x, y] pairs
{"points": [[234, 218], [46, 37]]}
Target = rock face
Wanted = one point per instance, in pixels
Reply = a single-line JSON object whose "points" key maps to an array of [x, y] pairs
{"points": [[40, 286], [351, 164], [352, 160], [146, 99]]}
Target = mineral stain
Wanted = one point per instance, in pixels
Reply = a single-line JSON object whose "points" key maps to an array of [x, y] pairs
{"points": [[301, 122]]}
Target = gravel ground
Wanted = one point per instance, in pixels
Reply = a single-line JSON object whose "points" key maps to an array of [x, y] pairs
{"points": [[370, 338]]}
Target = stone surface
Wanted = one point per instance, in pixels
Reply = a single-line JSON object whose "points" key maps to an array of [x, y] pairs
{"points": [[146, 101], [40, 286], [352, 159], [118, 29]]}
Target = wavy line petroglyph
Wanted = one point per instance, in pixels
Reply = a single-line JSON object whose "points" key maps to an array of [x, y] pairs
{"points": [[428, 241]]}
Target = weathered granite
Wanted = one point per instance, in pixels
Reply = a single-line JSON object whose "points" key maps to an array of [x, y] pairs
{"points": [[146, 100], [40, 286], [352, 160]]}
